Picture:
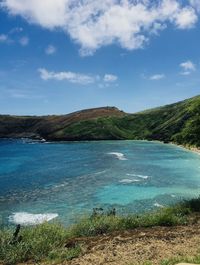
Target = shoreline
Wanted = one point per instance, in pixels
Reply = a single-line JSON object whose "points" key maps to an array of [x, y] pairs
{"points": [[195, 150], [42, 140]]}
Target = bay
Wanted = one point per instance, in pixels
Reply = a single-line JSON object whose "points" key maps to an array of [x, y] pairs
{"points": [[66, 180]]}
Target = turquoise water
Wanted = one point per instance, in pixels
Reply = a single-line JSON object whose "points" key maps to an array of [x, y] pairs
{"points": [[66, 180]]}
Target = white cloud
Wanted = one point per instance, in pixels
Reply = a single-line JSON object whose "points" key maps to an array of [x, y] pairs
{"points": [[50, 50], [186, 18], [47, 13], [24, 41], [69, 76], [157, 77], [3, 38], [195, 4], [187, 67], [110, 78], [94, 23], [78, 78]]}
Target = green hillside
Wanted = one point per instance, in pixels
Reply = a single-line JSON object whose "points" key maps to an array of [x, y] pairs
{"points": [[179, 123]]}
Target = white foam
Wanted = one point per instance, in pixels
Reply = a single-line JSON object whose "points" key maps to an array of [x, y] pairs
{"points": [[127, 181], [25, 218], [100, 172], [119, 156], [158, 205], [60, 185], [138, 176]]}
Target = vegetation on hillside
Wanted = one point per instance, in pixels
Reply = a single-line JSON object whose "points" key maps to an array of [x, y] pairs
{"points": [[179, 123], [54, 243]]}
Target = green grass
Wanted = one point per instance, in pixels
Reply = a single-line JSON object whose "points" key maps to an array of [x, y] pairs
{"points": [[173, 261], [176, 260], [102, 224], [48, 242], [40, 242]]}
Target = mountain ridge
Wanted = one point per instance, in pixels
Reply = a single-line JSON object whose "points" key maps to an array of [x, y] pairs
{"points": [[178, 122]]}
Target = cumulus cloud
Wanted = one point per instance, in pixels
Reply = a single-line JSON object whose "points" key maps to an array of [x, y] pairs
{"points": [[157, 77], [110, 78], [93, 23], [69, 76], [186, 18], [24, 41], [50, 50], [187, 67], [78, 78], [195, 4]]}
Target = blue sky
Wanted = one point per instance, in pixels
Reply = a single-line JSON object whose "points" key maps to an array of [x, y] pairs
{"points": [[59, 56]]}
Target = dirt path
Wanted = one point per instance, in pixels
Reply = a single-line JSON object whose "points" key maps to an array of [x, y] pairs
{"points": [[135, 247]]}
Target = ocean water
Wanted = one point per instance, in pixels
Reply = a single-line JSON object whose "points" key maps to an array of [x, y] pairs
{"points": [[63, 181]]}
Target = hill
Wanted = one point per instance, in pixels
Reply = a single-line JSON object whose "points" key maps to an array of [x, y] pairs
{"points": [[49, 127], [178, 122]]}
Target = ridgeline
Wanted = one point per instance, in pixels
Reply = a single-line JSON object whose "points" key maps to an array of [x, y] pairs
{"points": [[178, 123]]}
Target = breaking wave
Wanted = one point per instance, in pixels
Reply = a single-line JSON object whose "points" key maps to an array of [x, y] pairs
{"points": [[158, 205], [128, 181], [24, 218], [119, 156], [138, 176]]}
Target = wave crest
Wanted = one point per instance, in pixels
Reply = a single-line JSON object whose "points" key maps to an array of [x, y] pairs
{"points": [[138, 176], [128, 181], [158, 205], [24, 218], [119, 156]]}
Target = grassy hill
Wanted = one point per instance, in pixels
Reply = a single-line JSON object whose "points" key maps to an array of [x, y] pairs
{"points": [[179, 123]]}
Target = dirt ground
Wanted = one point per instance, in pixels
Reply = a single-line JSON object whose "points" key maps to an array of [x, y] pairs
{"points": [[140, 245]]}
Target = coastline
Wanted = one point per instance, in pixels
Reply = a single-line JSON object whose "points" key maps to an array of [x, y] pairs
{"points": [[42, 140], [193, 149], [186, 147]]}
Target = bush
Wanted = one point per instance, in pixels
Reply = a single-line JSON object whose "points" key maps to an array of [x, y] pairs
{"points": [[193, 205]]}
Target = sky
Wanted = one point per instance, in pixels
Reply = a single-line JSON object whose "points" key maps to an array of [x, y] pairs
{"points": [[60, 56]]}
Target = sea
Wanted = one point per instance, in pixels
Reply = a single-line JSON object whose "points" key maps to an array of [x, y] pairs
{"points": [[64, 181]]}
